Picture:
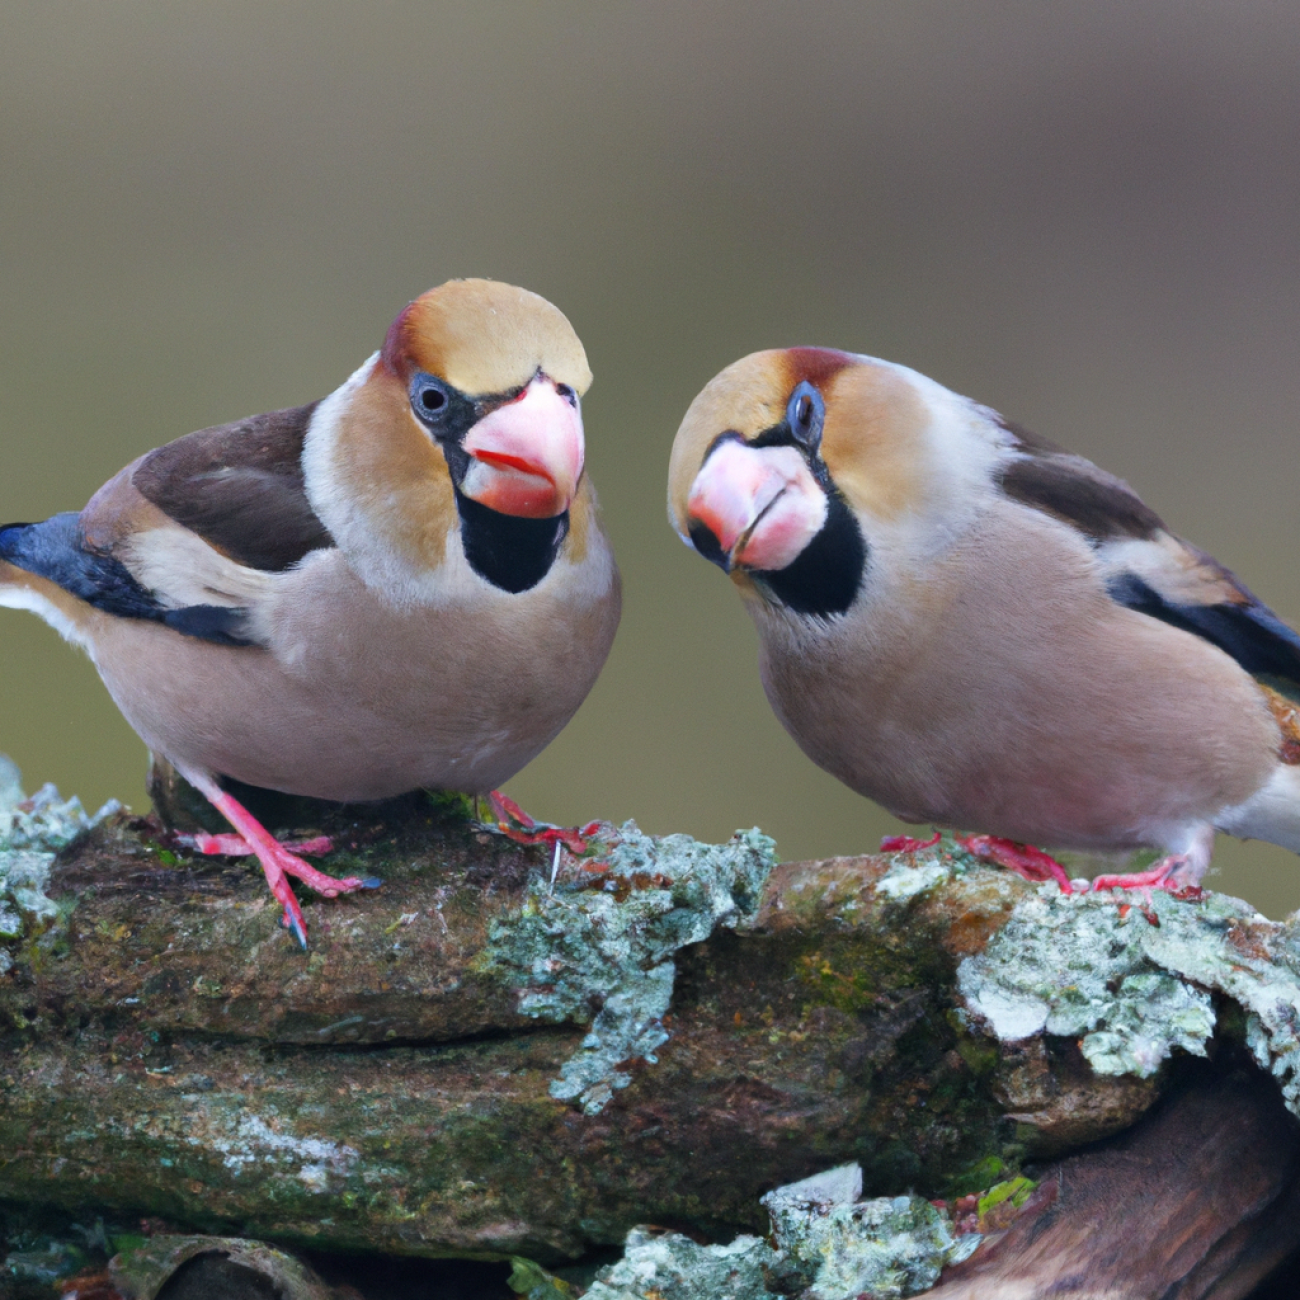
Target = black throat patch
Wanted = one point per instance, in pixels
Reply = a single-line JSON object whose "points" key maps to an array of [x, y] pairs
{"points": [[823, 579], [508, 551]]}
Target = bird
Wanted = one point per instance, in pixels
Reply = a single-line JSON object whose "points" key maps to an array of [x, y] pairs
{"points": [[979, 630], [403, 585]]}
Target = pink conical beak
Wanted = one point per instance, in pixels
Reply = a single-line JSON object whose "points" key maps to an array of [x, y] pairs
{"points": [[761, 504], [527, 456]]}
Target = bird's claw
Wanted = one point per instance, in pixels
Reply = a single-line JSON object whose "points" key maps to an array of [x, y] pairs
{"points": [[236, 846], [1025, 860], [908, 844], [515, 824], [292, 920]]}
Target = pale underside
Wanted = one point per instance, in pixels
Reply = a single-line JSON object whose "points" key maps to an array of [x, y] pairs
{"points": [[352, 697], [1001, 689]]}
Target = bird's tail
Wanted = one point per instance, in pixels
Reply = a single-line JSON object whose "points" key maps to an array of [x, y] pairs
{"points": [[11, 570], [24, 585], [1271, 813]]}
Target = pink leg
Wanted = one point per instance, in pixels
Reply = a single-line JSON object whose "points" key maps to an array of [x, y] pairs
{"points": [[277, 861], [906, 844], [517, 825], [1023, 859]]}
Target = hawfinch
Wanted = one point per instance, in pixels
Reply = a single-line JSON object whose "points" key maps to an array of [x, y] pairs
{"points": [[402, 585], [978, 629]]}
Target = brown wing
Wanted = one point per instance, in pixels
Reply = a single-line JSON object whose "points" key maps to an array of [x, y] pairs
{"points": [[1147, 568], [240, 487], [1054, 480]]}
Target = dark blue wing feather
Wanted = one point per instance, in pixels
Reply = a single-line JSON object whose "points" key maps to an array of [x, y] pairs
{"points": [[55, 549], [1249, 631]]}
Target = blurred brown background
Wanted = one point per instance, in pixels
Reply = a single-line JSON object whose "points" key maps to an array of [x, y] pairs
{"points": [[1084, 214]]}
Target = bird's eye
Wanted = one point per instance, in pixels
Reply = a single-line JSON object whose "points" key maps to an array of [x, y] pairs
{"points": [[429, 398], [567, 393], [805, 415]]}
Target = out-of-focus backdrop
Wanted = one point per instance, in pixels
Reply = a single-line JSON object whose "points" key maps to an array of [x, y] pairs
{"points": [[1084, 214]]}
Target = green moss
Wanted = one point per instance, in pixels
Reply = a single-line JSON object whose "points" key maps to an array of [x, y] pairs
{"points": [[534, 1283], [975, 1177], [1014, 1191]]}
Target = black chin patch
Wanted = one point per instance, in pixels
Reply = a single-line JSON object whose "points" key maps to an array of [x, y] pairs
{"points": [[707, 544], [824, 578], [510, 552]]}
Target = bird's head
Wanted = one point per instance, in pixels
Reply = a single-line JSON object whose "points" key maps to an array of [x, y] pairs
{"points": [[468, 417], [793, 465], [493, 375]]}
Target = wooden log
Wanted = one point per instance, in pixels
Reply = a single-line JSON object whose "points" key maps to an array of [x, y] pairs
{"points": [[169, 1050], [1200, 1201]]}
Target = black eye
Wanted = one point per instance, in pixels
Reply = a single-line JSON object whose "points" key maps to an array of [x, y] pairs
{"points": [[430, 398], [567, 393], [805, 414]]}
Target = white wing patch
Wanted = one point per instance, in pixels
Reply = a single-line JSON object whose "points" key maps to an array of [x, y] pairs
{"points": [[180, 569], [1177, 574]]}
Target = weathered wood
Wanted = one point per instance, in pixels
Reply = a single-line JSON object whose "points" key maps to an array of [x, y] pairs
{"points": [[1200, 1201], [170, 1050]]}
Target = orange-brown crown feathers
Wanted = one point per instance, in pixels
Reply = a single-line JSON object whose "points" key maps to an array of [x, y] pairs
{"points": [[875, 418], [483, 336]]}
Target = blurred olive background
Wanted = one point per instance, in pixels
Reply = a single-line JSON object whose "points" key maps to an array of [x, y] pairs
{"points": [[1084, 214]]}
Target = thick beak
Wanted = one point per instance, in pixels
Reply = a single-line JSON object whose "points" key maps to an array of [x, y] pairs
{"points": [[754, 508], [526, 457]]}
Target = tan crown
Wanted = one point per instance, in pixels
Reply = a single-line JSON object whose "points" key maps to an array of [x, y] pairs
{"points": [[483, 336]]}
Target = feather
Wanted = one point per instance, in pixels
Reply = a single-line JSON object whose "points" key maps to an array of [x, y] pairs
{"points": [[240, 488], [1146, 568], [55, 549]]}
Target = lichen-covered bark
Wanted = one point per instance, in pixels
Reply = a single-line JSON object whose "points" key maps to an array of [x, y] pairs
{"points": [[168, 1049]]}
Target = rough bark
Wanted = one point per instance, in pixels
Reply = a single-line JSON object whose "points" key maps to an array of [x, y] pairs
{"points": [[1199, 1202], [169, 1050]]}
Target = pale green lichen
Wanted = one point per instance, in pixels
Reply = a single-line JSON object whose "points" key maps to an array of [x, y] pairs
{"points": [[909, 879], [597, 948], [825, 1245], [31, 833], [668, 1266], [885, 1247], [1074, 966], [1135, 983]]}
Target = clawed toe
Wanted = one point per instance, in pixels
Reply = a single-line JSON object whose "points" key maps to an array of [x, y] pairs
{"points": [[1025, 860], [236, 846], [1162, 875], [515, 824], [908, 844]]}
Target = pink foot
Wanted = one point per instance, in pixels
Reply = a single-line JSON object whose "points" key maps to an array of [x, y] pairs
{"points": [[906, 844], [236, 846], [1023, 859], [278, 861], [1163, 875], [517, 825]]}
